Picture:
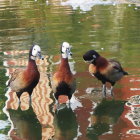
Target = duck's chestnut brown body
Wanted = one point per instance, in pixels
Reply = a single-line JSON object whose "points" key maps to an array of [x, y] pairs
{"points": [[63, 82], [25, 80]]}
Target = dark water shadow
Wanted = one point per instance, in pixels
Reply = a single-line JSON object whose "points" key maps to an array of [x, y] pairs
{"points": [[26, 125], [65, 124], [104, 117]]}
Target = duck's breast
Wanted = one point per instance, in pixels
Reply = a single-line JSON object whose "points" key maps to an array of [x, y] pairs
{"points": [[31, 78], [62, 77], [92, 69]]}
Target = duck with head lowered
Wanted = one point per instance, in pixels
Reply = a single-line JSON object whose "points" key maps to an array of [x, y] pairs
{"points": [[25, 80], [63, 81], [105, 70]]}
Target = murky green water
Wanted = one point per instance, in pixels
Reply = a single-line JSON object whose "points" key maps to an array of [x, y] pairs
{"points": [[111, 28]]}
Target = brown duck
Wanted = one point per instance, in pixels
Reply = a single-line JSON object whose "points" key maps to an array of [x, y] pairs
{"points": [[63, 81], [105, 70], [25, 80]]}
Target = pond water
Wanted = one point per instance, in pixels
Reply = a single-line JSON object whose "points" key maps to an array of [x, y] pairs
{"points": [[111, 27]]}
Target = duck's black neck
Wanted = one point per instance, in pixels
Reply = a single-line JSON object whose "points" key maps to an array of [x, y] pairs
{"points": [[94, 62]]}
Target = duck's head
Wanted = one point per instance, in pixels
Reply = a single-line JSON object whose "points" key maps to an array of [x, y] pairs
{"points": [[91, 56], [35, 52], [65, 49]]}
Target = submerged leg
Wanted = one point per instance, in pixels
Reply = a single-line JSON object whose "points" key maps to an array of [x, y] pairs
{"points": [[104, 90], [111, 89], [18, 95], [56, 99], [57, 104], [30, 98], [69, 104]]}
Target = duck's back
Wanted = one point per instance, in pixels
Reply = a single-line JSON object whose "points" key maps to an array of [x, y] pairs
{"points": [[114, 71]]}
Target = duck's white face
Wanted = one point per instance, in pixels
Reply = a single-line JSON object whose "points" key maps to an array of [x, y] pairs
{"points": [[65, 50], [36, 52]]}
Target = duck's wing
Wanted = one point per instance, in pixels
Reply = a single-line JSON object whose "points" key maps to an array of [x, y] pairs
{"points": [[14, 75], [116, 65], [114, 71], [17, 81]]}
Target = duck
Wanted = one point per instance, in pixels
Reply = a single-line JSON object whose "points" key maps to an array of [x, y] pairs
{"points": [[63, 81], [105, 70], [25, 80]]}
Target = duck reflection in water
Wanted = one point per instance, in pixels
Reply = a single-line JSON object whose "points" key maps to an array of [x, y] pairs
{"points": [[26, 80], [25, 125], [65, 123], [105, 115]]}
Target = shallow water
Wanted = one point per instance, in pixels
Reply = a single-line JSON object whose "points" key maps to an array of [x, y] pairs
{"points": [[110, 27]]}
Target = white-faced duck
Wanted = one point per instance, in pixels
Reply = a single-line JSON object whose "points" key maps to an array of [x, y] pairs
{"points": [[25, 80], [63, 81], [105, 70]]}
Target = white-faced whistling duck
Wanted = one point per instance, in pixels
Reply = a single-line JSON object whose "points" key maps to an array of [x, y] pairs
{"points": [[25, 80], [105, 70], [63, 81]]}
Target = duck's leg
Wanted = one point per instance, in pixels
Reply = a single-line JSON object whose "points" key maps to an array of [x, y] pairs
{"points": [[104, 90], [111, 89], [30, 100], [57, 102], [69, 103], [18, 95], [30, 97]]}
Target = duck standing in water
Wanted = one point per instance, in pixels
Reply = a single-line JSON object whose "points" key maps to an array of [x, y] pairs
{"points": [[105, 70], [63, 81], [27, 79]]}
